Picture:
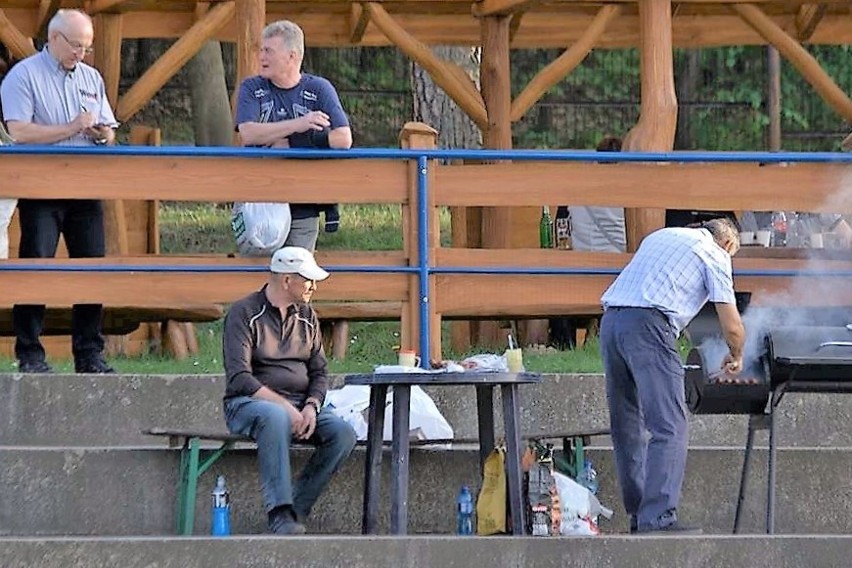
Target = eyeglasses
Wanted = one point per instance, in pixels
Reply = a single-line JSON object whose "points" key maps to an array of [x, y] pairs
{"points": [[76, 47]]}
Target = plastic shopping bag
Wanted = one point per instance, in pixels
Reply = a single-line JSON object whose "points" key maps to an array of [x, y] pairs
{"points": [[425, 421], [260, 228], [491, 504], [580, 508]]}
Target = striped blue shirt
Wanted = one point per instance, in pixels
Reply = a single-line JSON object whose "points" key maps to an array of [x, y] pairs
{"points": [[676, 271], [39, 90]]}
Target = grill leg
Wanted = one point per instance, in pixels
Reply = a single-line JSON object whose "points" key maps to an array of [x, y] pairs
{"points": [[770, 481], [753, 424]]}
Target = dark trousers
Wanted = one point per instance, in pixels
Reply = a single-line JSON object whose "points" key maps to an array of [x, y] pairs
{"points": [[81, 222], [644, 389]]}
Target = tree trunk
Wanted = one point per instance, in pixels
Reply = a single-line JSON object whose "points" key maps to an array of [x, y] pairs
{"points": [[455, 130], [435, 108], [211, 107]]}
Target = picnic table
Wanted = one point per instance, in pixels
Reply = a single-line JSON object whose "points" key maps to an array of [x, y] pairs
{"points": [[484, 383]]}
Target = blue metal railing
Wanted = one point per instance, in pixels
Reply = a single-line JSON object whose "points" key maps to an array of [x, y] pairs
{"points": [[424, 266]]}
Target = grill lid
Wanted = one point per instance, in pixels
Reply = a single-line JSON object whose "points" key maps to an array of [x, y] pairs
{"points": [[811, 345]]}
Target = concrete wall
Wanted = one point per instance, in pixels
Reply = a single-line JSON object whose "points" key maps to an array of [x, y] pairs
{"points": [[80, 410]]}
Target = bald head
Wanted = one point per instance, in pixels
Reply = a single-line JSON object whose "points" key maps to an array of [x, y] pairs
{"points": [[70, 22]]}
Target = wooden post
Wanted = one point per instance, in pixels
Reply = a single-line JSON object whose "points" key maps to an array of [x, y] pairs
{"points": [[502, 227], [107, 45], [416, 135], [18, 44], [655, 131], [251, 18]]}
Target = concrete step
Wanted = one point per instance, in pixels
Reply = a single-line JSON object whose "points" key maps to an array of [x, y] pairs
{"points": [[432, 551], [108, 491], [111, 410]]}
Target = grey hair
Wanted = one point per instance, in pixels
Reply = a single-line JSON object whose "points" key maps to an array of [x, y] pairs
{"points": [[723, 230], [290, 33], [61, 20]]}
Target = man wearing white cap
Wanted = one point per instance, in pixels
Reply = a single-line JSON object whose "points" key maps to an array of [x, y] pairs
{"points": [[277, 379]]}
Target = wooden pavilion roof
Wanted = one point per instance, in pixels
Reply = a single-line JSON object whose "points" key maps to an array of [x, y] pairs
{"points": [[536, 23]]}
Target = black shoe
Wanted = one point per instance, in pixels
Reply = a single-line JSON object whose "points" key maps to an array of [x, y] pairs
{"points": [[96, 366], [34, 366], [282, 521], [675, 528]]}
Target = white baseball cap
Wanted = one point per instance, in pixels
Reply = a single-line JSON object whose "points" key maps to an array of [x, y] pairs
{"points": [[296, 260]]}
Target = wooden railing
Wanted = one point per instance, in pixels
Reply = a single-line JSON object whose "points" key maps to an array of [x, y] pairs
{"points": [[459, 282]]}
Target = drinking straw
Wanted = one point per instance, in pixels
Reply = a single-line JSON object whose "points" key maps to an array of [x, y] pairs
{"points": [[511, 342]]}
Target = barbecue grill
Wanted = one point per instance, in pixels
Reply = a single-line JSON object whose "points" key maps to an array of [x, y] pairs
{"points": [[780, 358]]}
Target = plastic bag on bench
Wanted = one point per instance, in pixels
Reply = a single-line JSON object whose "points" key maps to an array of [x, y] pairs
{"points": [[425, 420], [260, 228]]}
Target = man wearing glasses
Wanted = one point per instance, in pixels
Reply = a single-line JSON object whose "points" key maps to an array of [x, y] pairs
{"points": [[277, 380], [52, 97]]}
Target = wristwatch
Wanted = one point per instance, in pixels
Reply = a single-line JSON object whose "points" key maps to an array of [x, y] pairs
{"points": [[314, 404]]}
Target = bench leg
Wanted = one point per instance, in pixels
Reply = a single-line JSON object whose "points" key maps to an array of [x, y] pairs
{"points": [[339, 339], [188, 486], [174, 340]]}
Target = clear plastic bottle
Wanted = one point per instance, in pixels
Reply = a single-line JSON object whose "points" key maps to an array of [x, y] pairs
{"points": [[589, 478], [779, 229], [221, 522], [464, 511]]}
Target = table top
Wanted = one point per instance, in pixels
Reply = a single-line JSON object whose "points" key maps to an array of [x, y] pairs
{"points": [[427, 379]]}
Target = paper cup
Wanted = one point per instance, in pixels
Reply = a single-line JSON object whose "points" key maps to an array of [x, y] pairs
{"points": [[815, 241], [746, 238], [407, 358]]}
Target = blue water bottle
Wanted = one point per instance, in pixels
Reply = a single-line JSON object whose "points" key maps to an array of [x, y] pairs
{"points": [[589, 478], [465, 511], [221, 525]]}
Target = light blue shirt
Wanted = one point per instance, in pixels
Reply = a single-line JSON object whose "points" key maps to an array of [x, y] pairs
{"points": [[676, 271], [39, 90]]}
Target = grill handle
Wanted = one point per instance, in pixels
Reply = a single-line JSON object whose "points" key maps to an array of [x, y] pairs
{"points": [[834, 344]]}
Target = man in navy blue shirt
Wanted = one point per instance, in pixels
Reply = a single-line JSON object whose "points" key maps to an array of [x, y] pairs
{"points": [[285, 108]]}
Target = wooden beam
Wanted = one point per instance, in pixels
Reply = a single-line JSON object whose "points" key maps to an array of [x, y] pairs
{"points": [[847, 143], [655, 130], [449, 76], [798, 56], [18, 44], [700, 186], [484, 8], [97, 6], [46, 10], [808, 19], [172, 60], [211, 179], [564, 64], [358, 20]]}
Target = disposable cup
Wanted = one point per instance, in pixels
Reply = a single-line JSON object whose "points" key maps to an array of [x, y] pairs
{"points": [[746, 238], [815, 241], [515, 360], [407, 358]]}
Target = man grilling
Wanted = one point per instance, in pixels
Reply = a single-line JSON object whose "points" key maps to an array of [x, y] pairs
{"points": [[672, 275]]}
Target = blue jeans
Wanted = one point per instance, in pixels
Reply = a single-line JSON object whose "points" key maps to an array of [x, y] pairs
{"points": [[644, 389], [268, 424]]}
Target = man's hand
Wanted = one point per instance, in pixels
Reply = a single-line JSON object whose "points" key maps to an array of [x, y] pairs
{"points": [[309, 422], [732, 365], [297, 421], [101, 134], [314, 120], [84, 121]]}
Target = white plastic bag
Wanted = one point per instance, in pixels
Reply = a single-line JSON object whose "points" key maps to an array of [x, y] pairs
{"points": [[351, 403], [425, 420], [260, 228], [580, 508]]}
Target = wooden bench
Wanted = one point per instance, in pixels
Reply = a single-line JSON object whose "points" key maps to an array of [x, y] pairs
{"points": [[195, 460]]}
